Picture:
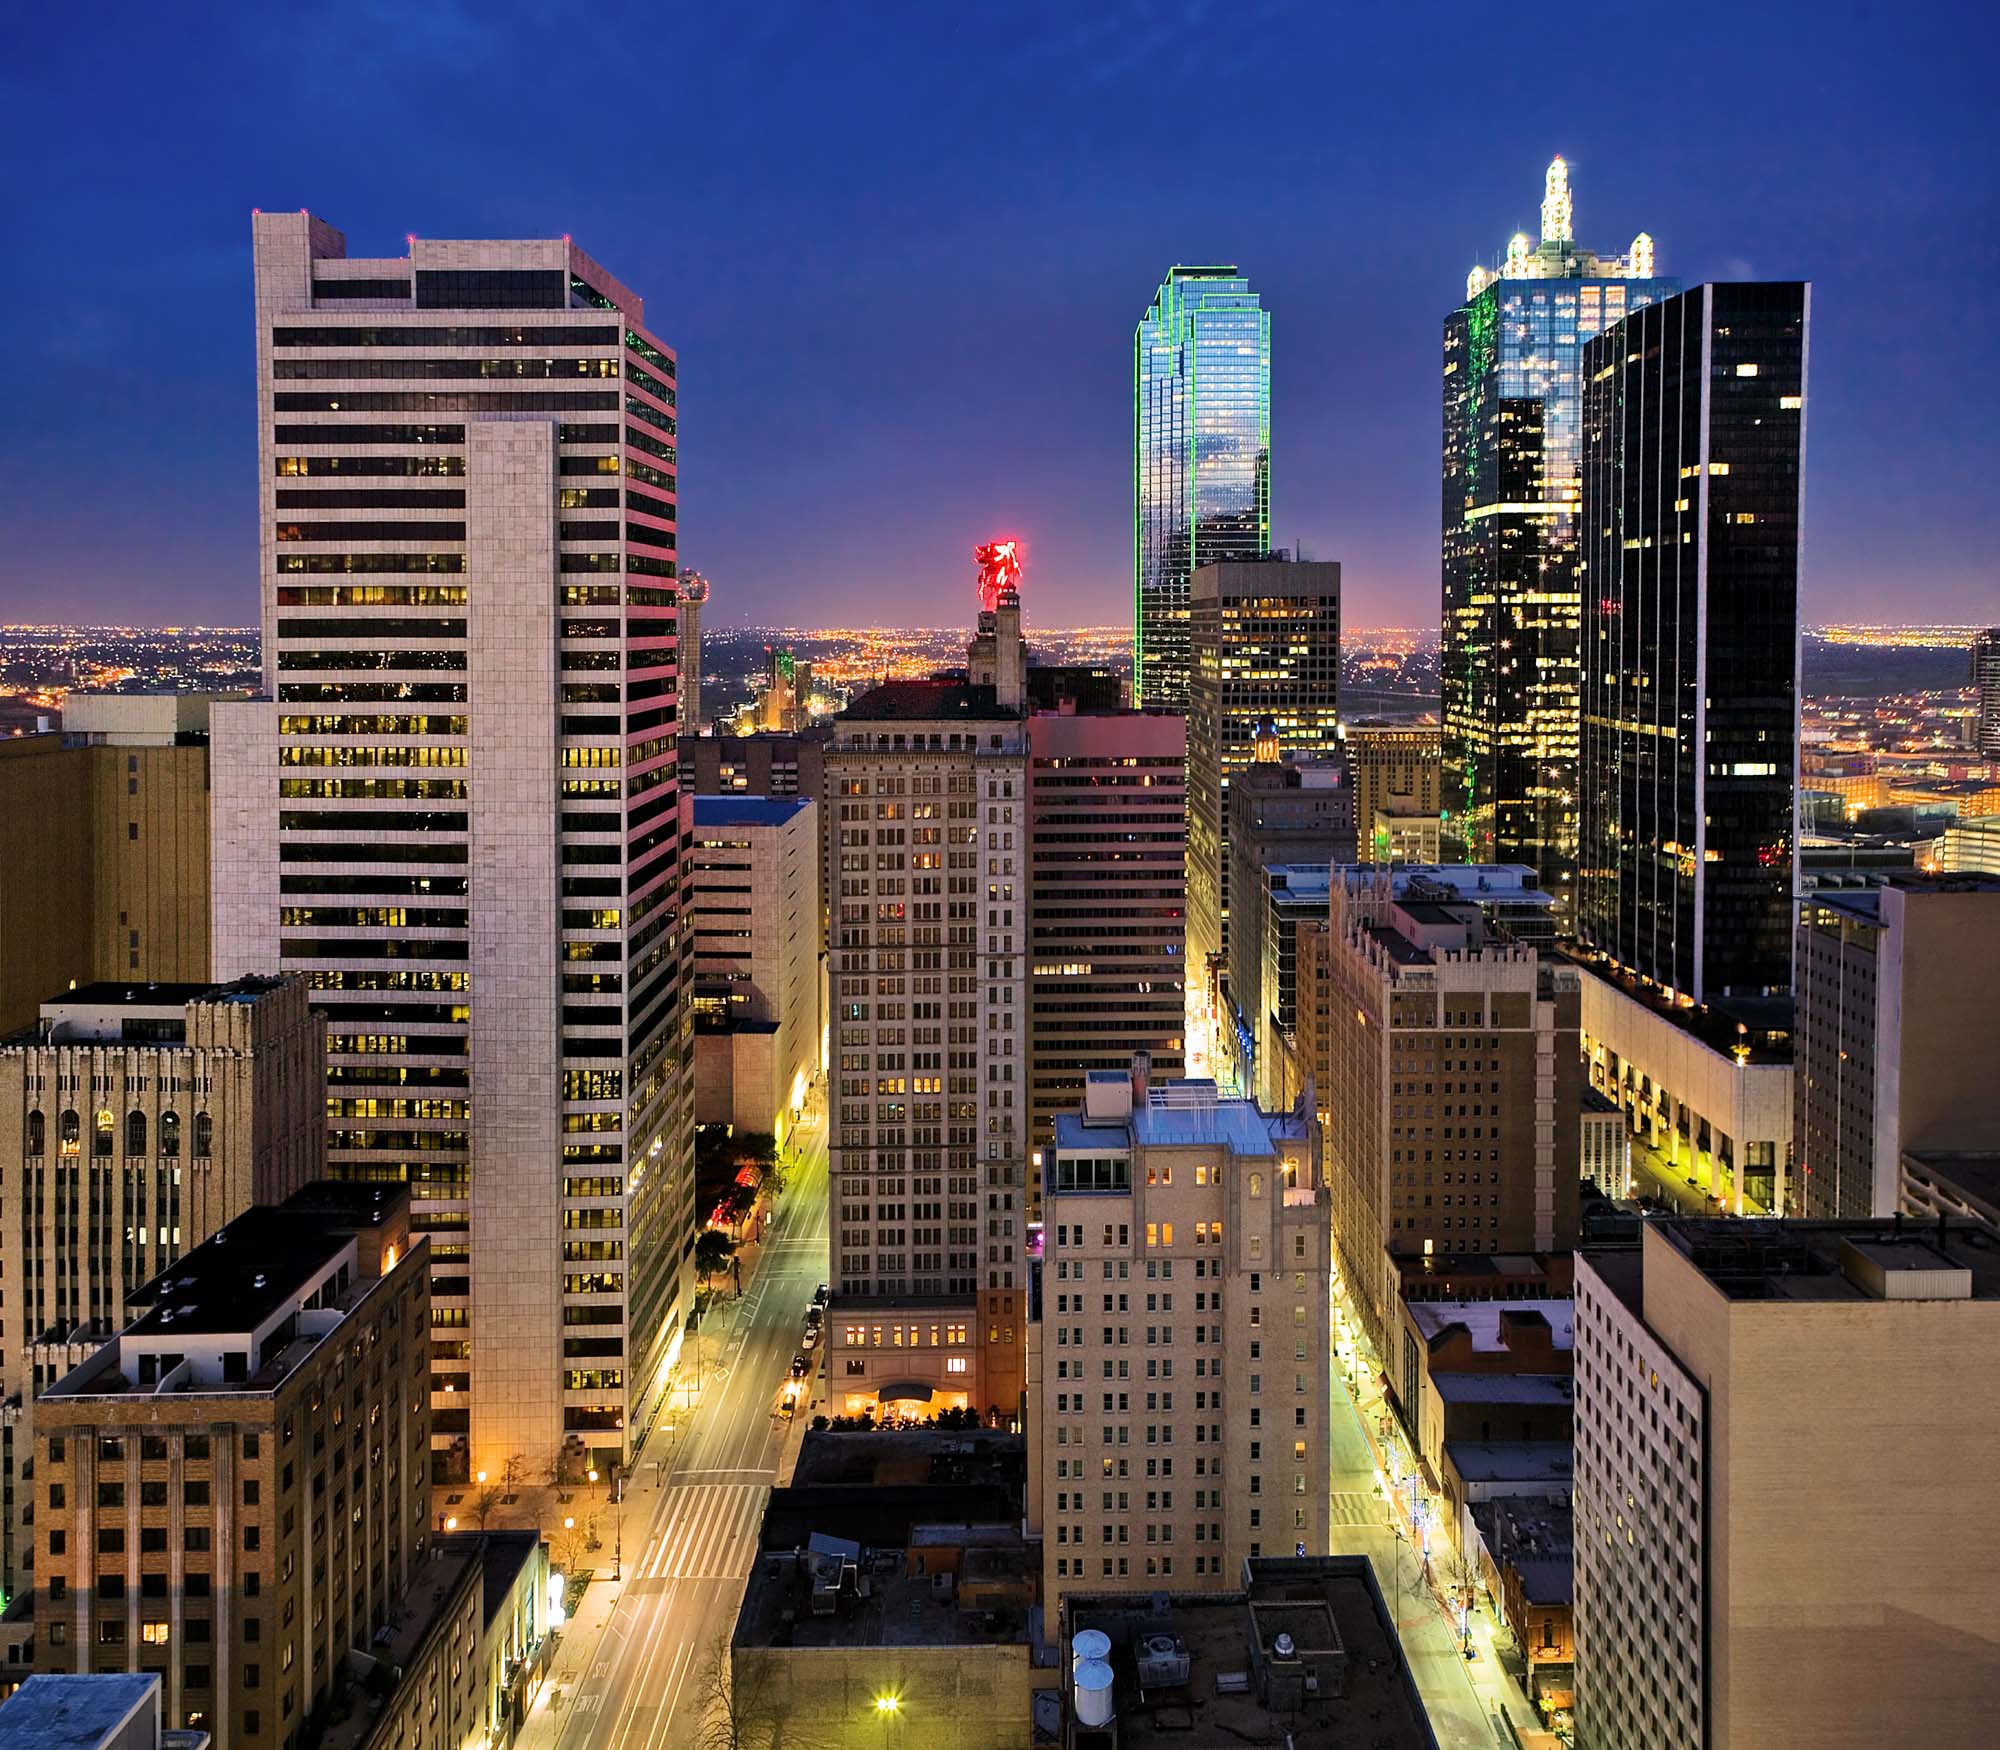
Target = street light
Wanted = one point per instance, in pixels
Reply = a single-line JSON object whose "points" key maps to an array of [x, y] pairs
{"points": [[886, 1709]]}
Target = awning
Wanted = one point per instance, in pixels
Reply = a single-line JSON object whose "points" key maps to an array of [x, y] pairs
{"points": [[905, 1391]]}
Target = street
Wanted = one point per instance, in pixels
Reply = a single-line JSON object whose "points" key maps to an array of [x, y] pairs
{"points": [[631, 1673]]}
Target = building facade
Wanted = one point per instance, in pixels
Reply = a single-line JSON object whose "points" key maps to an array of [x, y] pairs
{"points": [[1718, 1601], [1693, 452], [1452, 1121], [694, 596], [137, 1120], [113, 883], [1893, 1036], [1391, 763], [457, 812], [1201, 459], [1266, 663], [928, 865], [753, 877], [1107, 929], [1513, 416], [235, 1491], [1986, 690], [1157, 1192]]}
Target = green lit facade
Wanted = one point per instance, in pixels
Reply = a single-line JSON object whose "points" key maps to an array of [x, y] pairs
{"points": [[1201, 458], [1510, 647]]}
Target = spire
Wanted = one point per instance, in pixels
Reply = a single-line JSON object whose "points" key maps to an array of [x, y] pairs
{"points": [[1556, 206], [1642, 256]]}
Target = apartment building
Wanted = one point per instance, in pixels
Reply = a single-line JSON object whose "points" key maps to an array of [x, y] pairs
{"points": [[113, 882], [1107, 934], [753, 874], [1777, 1529], [234, 1492], [1452, 1120], [1894, 1035], [135, 1120], [456, 812], [928, 865], [1174, 1441]]}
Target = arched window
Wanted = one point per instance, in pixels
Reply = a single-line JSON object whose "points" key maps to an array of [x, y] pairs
{"points": [[204, 1136], [170, 1133], [135, 1133], [100, 1143], [71, 1134], [1256, 1184], [38, 1133]]}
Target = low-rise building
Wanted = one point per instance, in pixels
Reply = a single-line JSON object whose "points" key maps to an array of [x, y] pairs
{"points": [[1525, 1561], [234, 1492], [98, 1712], [1297, 1651], [1402, 832]]}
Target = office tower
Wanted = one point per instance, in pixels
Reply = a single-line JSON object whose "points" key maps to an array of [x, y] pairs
{"points": [[926, 786], [723, 764], [1452, 1122], [780, 706], [456, 814], [1755, 1403], [1513, 404], [1107, 932], [1201, 459], [1387, 762], [1265, 637], [235, 1491], [694, 596], [753, 880], [1175, 1440], [1281, 812], [1895, 1036], [1986, 690], [1693, 444], [138, 1119], [113, 881]]}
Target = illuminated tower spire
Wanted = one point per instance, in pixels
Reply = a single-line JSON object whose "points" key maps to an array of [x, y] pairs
{"points": [[1556, 206]]}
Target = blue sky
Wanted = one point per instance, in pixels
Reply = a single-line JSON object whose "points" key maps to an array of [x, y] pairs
{"points": [[901, 250]]}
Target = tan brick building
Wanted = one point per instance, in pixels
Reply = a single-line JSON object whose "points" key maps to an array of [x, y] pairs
{"points": [[235, 1491], [1391, 760], [1174, 1440], [134, 1121]]}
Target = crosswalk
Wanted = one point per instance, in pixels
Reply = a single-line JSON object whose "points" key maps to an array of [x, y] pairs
{"points": [[1355, 1507], [710, 1532]]}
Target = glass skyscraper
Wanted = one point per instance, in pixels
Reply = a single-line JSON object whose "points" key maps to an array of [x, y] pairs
{"points": [[1513, 394], [1201, 457], [1694, 439]]}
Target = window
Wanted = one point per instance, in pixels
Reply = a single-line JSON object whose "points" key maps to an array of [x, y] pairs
{"points": [[101, 1140], [170, 1134], [70, 1130], [204, 1136], [135, 1133], [38, 1133]]}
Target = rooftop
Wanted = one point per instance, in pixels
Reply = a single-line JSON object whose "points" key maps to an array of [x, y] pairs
{"points": [[931, 701], [1227, 1639], [1556, 1390], [1482, 1320], [1535, 1539], [1844, 1261], [1513, 1461], [1183, 1114], [77, 1712], [883, 1603], [748, 810], [1761, 1026]]}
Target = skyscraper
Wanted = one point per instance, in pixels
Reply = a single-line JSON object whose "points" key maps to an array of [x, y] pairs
{"points": [[1986, 682], [694, 594], [1513, 398], [1694, 439], [1201, 458], [457, 814], [1265, 643]]}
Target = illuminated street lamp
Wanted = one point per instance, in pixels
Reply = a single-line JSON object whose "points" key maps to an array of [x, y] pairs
{"points": [[887, 1707]]}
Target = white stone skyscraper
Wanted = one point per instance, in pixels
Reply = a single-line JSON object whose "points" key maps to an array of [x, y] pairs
{"points": [[457, 812]]}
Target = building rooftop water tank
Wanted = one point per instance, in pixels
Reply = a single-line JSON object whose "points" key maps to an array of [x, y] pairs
{"points": [[1088, 1644], [1093, 1693]]}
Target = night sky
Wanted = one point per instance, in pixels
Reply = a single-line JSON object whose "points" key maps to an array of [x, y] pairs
{"points": [[901, 251]]}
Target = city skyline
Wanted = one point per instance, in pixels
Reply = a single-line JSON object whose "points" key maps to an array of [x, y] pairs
{"points": [[1370, 233]]}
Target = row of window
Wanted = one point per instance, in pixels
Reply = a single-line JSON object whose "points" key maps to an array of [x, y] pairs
{"points": [[69, 1134]]}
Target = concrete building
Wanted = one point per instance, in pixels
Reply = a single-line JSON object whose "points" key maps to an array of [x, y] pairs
{"points": [[1107, 929], [234, 1493], [1708, 1091], [1302, 1652], [1719, 1601], [135, 1120], [1604, 1146], [753, 874], [927, 1105], [1290, 897], [1265, 636], [1401, 832], [113, 883], [1391, 763], [456, 811], [694, 597], [1452, 1123], [1895, 1036], [1165, 1192], [99, 1712]]}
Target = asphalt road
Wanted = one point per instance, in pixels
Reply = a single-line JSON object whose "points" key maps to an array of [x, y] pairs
{"points": [[696, 1500]]}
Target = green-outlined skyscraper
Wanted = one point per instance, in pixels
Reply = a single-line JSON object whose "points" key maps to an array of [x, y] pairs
{"points": [[1201, 457]]}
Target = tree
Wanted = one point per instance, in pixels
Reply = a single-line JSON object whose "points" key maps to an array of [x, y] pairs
{"points": [[483, 1504], [748, 1708], [712, 1252], [510, 1473]]}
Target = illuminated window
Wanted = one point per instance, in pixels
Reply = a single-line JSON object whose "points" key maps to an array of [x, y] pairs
{"points": [[1791, 403], [1746, 370]]}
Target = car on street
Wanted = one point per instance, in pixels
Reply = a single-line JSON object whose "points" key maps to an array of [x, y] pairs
{"points": [[800, 1365], [810, 1335], [821, 1294]]}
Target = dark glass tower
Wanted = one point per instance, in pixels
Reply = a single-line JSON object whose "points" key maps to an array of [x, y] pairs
{"points": [[1512, 406], [1201, 461], [1694, 436]]}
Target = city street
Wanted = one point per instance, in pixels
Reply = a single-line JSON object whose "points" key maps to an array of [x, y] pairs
{"points": [[631, 1671]]}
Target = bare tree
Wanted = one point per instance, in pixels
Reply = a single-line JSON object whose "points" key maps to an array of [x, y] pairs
{"points": [[483, 1504], [510, 1473], [747, 1710]]}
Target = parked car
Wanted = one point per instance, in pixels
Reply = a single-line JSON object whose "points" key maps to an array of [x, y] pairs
{"points": [[821, 1294], [800, 1366], [815, 1313], [811, 1334]]}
